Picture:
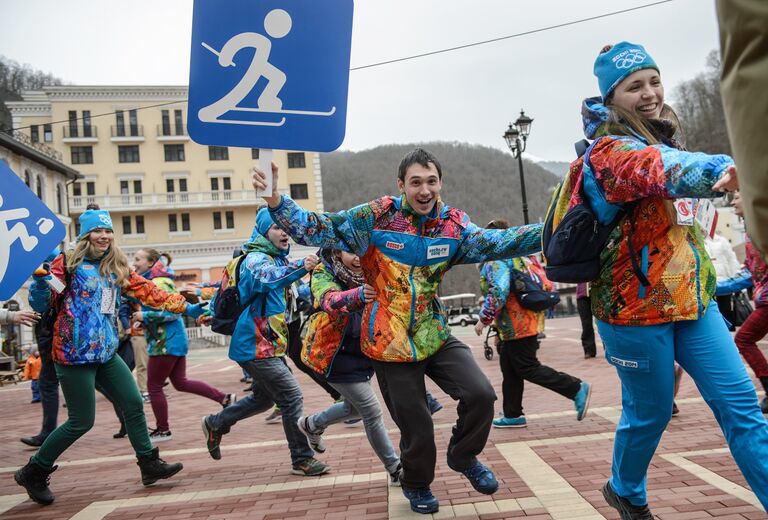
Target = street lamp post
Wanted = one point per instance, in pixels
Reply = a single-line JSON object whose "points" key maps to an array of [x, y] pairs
{"points": [[513, 136]]}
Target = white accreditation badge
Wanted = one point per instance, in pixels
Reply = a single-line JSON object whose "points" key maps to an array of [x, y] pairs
{"points": [[685, 211], [108, 298]]}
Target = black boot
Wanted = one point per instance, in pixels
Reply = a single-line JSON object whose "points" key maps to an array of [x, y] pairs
{"points": [[34, 478], [153, 468], [120, 434], [35, 441]]}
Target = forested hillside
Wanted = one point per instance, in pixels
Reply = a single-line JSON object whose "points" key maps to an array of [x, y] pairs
{"points": [[482, 181]]}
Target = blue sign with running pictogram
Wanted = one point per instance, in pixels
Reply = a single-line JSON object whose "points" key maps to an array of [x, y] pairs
{"points": [[270, 73], [29, 231]]}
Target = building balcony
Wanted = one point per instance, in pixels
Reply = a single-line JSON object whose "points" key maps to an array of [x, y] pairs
{"points": [[170, 134], [80, 134], [127, 134], [166, 201]]}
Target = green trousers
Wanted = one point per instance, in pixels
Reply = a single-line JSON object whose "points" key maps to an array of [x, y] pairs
{"points": [[78, 383], [744, 85]]}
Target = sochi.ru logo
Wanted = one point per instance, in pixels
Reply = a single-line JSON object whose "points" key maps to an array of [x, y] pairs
{"points": [[629, 58]]}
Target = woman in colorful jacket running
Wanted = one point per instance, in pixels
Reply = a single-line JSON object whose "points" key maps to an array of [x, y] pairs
{"points": [[85, 338], [647, 327], [167, 346], [332, 349]]}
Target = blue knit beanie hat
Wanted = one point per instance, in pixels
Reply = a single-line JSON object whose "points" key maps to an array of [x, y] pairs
{"points": [[618, 62], [94, 219], [263, 221]]}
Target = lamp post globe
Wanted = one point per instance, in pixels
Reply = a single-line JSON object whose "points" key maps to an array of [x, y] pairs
{"points": [[521, 128]]}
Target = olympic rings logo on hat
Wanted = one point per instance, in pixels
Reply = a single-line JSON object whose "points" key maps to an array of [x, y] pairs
{"points": [[105, 220], [630, 60]]}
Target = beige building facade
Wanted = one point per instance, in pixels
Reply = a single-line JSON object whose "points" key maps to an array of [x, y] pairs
{"points": [[163, 190]]}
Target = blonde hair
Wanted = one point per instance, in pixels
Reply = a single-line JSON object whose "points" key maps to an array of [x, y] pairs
{"points": [[113, 262]]}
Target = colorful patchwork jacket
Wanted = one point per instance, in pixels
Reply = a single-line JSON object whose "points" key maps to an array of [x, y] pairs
{"points": [[753, 274], [404, 256], [85, 332], [501, 306], [165, 331], [265, 274], [619, 170], [328, 327]]}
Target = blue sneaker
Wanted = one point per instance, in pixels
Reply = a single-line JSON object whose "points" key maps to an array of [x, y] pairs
{"points": [[581, 401], [422, 500], [510, 422], [480, 476], [433, 404]]}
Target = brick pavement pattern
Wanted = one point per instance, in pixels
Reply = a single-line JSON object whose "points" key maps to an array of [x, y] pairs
{"points": [[551, 470]]}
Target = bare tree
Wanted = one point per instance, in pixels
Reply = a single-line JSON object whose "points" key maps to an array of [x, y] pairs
{"points": [[15, 78]]}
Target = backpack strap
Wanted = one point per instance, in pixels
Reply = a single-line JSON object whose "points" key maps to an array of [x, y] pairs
{"points": [[626, 210]]}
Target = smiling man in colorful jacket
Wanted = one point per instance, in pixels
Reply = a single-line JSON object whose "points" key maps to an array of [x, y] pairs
{"points": [[406, 244]]}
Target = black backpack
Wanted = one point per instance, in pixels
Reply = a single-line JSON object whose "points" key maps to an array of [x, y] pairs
{"points": [[530, 291], [226, 306], [572, 250]]}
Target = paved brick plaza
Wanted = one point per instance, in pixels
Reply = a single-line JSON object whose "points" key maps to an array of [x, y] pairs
{"points": [[552, 469]]}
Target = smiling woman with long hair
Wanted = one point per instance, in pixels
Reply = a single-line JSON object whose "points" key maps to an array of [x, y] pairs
{"points": [[85, 340]]}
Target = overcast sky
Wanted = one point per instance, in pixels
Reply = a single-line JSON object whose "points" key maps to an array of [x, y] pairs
{"points": [[468, 95]]}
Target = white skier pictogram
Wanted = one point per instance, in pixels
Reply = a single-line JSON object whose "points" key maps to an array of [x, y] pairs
{"points": [[277, 24], [9, 235]]}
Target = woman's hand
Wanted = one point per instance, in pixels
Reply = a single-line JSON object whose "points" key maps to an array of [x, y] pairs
{"points": [[369, 293], [26, 317], [311, 262], [137, 316], [259, 181], [479, 326], [728, 182]]}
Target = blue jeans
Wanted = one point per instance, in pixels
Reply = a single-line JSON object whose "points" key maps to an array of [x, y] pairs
{"points": [[644, 357], [273, 384], [35, 390], [360, 401]]}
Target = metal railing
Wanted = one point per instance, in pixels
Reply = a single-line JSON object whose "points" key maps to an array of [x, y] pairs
{"points": [[159, 201], [172, 131], [80, 132], [127, 131], [205, 333], [40, 147]]}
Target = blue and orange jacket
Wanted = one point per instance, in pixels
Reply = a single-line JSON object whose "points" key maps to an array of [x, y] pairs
{"points": [[332, 344], [501, 307], [83, 334], [620, 170], [164, 331], [265, 274], [404, 257]]}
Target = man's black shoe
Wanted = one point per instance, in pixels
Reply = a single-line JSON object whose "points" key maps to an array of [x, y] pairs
{"points": [[626, 510], [35, 441]]}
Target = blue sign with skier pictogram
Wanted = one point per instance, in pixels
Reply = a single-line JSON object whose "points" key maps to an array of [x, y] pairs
{"points": [[270, 73], [29, 231]]}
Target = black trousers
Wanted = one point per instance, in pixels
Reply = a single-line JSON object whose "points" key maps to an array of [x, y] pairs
{"points": [[294, 352], [49, 393], [584, 306], [455, 371], [519, 363]]}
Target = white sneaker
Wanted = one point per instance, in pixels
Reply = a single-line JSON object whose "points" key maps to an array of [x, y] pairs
{"points": [[158, 435]]}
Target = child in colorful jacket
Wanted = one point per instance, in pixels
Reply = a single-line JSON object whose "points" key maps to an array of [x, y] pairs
{"points": [[85, 339], [518, 329], [406, 244], [167, 346], [332, 349], [259, 344], [635, 160], [32, 373]]}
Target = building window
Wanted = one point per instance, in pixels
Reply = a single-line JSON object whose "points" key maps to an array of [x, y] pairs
{"points": [[172, 224], [179, 122], [59, 200], [296, 160], [127, 226], [299, 192], [47, 133], [27, 179], [87, 130], [133, 122], [72, 123], [39, 187], [174, 152], [34, 134], [90, 188], [185, 221], [229, 219], [166, 122], [128, 153], [218, 153], [217, 220], [230, 216], [82, 154], [140, 224], [119, 123], [254, 153], [77, 228], [76, 190]]}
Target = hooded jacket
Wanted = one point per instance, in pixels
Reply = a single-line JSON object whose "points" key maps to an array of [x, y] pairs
{"points": [[501, 306], [265, 274], [85, 331], [165, 331], [404, 257], [621, 169], [332, 343]]}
